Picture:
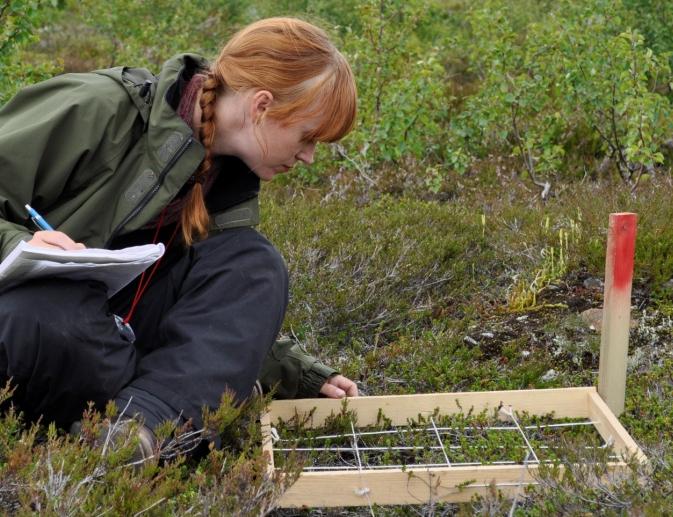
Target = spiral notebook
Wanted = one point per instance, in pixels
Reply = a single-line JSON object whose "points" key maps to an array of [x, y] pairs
{"points": [[115, 268]]}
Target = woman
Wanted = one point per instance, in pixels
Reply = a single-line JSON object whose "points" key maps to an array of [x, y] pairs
{"points": [[119, 157]]}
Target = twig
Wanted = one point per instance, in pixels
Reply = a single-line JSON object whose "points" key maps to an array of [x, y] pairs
{"points": [[623, 163], [114, 427], [342, 152], [528, 158], [150, 507]]}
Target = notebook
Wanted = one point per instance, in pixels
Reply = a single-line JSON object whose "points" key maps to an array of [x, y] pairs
{"points": [[115, 268]]}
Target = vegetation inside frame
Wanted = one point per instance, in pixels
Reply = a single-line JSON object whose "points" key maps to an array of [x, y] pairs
{"points": [[453, 242], [434, 441]]}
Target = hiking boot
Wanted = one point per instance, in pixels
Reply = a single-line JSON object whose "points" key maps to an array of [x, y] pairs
{"points": [[118, 436]]}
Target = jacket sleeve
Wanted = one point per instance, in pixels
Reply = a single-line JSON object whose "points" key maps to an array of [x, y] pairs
{"points": [[292, 371], [48, 132], [16, 180]]}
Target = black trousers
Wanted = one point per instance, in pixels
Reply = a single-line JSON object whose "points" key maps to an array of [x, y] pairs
{"points": [[203, 326]]}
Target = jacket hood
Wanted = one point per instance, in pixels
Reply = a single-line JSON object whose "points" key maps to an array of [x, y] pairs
{"points": [[171, 142]]}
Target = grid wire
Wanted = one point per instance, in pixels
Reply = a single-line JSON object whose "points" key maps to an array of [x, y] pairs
{"points": [[448, 450]]}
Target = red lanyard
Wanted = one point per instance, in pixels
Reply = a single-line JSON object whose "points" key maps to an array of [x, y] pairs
{"points": [[144, 283]]}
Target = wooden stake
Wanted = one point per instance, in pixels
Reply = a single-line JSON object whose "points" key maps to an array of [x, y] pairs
{"points": [[617, 310]]}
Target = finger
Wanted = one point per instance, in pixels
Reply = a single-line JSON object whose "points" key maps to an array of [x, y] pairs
{"points": [[332, 391], [347, 385], [352, 390], [41, 244], [58, 239]]}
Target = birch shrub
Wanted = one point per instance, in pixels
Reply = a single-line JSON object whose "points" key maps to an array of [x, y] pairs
{"points": [[654, 19], [575, 83]]}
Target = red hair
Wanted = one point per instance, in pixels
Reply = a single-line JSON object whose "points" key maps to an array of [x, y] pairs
{"points": [[307, 76]]}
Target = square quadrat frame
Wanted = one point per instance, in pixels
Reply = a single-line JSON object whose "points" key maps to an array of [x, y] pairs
{"points": [[362, 487]]}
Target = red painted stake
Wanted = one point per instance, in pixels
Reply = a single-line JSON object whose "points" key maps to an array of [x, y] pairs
{"points": [[617, 310]]}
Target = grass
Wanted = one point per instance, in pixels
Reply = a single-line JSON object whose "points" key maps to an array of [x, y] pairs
{"points": [[408, 296]]}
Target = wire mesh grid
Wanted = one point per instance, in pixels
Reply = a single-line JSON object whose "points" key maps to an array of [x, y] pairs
{"points": [[438, 442]]}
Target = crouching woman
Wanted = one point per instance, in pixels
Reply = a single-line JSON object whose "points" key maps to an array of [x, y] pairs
{"points": [[121, 157]]}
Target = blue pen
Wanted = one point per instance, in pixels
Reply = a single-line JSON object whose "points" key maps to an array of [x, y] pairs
{"points": [[38, 219]]}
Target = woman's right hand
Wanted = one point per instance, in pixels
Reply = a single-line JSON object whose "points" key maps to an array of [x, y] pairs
{"points": [[54, 239]]}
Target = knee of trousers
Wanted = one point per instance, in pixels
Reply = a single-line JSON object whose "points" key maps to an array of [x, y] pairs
{"points": [[277, 281], [250, 253]]}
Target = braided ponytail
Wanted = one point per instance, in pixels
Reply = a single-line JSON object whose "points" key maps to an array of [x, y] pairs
{"points": [[194, 216]]}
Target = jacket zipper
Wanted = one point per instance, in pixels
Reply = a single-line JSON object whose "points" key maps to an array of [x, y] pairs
{"points": [[151, 193]]}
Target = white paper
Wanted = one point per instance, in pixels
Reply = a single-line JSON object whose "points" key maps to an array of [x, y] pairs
{"points": [[115, 268]]}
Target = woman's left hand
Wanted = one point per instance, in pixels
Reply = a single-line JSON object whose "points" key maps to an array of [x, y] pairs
{"points": [[338, 387]]}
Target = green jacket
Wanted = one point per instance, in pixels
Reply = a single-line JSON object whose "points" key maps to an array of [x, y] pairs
{"points": [[99, 155]]}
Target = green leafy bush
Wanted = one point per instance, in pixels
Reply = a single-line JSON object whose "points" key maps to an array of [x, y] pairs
{"points": [[552, 90], [573, 81], [94, 34], [18, 21], [395, 49]]}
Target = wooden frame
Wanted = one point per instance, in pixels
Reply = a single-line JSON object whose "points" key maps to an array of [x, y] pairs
{"points": [[442, 484]]}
